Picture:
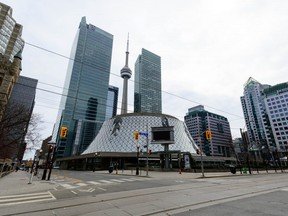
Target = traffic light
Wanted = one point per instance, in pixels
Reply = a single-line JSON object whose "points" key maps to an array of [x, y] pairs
{"points": [[63, 132], [208, 135], [136, 135]]}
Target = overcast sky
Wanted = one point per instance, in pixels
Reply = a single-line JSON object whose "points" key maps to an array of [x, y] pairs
{"points": [[208, 49]]}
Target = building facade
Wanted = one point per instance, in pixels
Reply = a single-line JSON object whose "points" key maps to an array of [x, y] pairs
{"points": [[276, 104], [10, 33], [147, 90], [11, 46], [17, 115], [85, 90], [112, 101], [198, 120], [265, 109]]}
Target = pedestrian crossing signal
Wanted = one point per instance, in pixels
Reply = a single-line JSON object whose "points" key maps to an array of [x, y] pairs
{"points": [[50, 149], [208, 135], [63, 132]]}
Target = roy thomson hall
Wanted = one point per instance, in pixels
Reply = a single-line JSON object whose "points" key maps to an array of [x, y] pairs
{"points": [[128, 141]]}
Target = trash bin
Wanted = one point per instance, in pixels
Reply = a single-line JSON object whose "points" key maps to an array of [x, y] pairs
{"points": [[110, 169], [244, 170], [233, 169]]}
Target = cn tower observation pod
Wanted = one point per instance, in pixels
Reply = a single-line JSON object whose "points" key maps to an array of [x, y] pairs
{"points": [[117, 134]]}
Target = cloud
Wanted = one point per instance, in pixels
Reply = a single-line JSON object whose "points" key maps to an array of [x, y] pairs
{"points": [[208, 48]]}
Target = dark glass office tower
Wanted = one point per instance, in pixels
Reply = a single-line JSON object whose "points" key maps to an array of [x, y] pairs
{"points": [[112, 100], [147, 90], [17, 117], [85, 91]]}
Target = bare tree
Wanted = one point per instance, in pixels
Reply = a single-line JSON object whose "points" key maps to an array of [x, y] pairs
{"points": [[33, 136], [17, 122]]}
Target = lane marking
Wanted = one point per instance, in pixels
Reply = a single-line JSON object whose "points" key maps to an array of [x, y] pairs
{"points": [[101, 188], [73, 192]]}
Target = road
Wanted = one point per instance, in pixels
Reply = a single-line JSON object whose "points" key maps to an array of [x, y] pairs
{"points": [[263, 194], [80, 183]]}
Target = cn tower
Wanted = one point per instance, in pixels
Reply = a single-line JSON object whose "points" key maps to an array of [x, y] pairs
{"points": [[125, 74]]}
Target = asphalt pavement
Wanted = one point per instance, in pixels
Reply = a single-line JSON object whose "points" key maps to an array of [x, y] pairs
{"points": [[20, 182], [214, 190]]}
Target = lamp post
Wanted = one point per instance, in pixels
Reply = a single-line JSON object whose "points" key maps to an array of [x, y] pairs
{"points": [[35, 159], [286, 147], [201, 156], [94, 161], [273, 158], [147, 144], [254, 149], [137, 168]]}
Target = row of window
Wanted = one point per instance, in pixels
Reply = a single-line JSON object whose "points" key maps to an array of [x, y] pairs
{"points": [[277, 98]]}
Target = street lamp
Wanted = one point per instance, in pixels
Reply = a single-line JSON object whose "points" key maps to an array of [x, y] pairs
{"points": [[35, 159], [201, 156], [137, 168], [254, 149], [94, 162]]}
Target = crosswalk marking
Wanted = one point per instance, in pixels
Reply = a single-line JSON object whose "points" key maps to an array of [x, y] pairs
{"points": [[137, 179], [68, 186], [71, 185], [105, 181], [81, 184], [116, 180], [25, 198], [93, 182], [127, 179]]}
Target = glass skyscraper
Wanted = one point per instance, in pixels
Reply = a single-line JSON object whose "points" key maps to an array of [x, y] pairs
{"points": [[17, 118], [112, 100], [85, 90], [147, 90], [254, 113]]}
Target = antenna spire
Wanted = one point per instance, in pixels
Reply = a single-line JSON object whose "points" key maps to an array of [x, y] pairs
{"points": [[127, 52]]}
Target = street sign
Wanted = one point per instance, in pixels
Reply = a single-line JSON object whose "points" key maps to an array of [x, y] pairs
{"points": [[143, 134]]}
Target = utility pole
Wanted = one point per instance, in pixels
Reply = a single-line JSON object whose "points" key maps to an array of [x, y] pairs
{"points": [[147, 144]]}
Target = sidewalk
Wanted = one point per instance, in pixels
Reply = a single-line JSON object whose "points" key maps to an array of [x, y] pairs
{"points": [[17, 182], [170, 174]]}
